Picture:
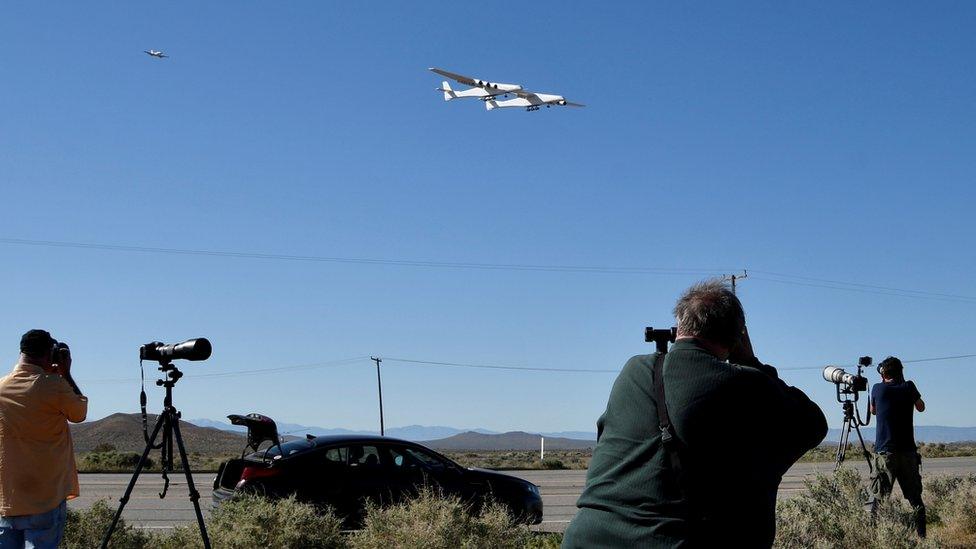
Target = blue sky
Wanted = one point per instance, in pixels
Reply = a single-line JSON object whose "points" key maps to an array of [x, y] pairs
{"points": [[832, 141]]}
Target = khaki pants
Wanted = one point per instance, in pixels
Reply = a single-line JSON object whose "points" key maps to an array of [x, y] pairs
{"points": [[903, 467]]}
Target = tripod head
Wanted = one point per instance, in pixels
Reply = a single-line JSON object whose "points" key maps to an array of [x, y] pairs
{"points": [[661, 337], [171, 374]]}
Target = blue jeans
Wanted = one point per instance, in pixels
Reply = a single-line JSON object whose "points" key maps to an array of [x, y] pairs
{"points": [[40, 531]]}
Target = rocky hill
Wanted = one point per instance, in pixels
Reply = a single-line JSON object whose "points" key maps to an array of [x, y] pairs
{"points": [[124, 431], [515, 440]]}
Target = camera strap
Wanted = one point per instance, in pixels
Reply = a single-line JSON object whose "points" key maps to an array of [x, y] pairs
{"points": [[669, 439]]}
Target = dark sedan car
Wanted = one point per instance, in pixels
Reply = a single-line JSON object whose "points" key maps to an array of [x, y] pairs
{"points": [[346, 471]]}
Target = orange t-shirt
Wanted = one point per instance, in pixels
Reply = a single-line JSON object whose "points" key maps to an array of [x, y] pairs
{"points": [[37, 458]]}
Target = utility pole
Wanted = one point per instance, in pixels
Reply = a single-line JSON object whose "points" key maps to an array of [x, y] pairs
{"points": [[733, 278], [379, 387]]}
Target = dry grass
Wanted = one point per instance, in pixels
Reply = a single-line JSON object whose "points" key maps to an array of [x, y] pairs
{"points": [[429, 521], [951, 506], [435, 522], [831, 514], [522, 459]]}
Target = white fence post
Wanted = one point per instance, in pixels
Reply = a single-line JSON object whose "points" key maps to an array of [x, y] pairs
{"points": [[542, 448]]}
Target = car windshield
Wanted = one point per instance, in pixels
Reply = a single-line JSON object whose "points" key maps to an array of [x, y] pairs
{"points": [[287, 449]]}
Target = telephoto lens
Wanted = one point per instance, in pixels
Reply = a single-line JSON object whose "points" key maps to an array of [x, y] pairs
{"points": [[850, 382], [191, 349]]}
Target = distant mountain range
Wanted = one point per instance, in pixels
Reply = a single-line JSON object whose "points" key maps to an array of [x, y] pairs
{"points": [[416, 433], [923, 433], [515, 440], [208, 437]]}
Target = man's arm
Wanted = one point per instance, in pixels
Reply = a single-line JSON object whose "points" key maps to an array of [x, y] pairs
{"points": [[804, 425], [919, 403], [73, 405]]}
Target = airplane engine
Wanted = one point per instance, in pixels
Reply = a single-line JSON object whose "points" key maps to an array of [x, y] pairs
{"points": [[562, 102]]}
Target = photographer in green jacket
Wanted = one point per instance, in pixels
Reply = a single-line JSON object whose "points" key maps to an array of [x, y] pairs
{"points": [[736, 426]]}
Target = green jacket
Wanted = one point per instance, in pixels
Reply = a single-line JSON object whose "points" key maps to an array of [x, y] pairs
{"points": [[740, 428]]}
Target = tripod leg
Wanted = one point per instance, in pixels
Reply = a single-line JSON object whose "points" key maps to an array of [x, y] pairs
{"points": [[845, 434], [194, 495], [864, 449], [135, 476]]}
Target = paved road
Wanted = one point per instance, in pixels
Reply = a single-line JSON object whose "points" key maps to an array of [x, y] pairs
{"points": [[560, 489]]}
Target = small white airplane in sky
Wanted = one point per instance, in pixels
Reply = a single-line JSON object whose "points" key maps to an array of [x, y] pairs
{"points": [[157, 54], [490, 91]]}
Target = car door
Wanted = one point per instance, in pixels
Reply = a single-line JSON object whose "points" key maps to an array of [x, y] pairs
{"points": [[369, 477], [407, 474], [326, 474], [441, 474]]}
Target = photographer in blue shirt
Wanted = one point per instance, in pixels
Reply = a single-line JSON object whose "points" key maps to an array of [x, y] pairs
{"points": [[894, 401]]}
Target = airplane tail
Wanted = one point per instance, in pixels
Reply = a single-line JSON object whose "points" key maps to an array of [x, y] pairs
{"points": [[448, 92], [491, 104]]}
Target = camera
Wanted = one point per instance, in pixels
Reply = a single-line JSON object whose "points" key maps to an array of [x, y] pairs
{"points": [[846, 382], [59, 351], [191, 349]]}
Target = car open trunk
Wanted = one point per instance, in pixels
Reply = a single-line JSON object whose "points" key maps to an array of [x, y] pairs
{"points": [[260, 429]]}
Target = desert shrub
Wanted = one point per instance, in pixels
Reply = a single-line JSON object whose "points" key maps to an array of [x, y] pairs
{"points": [[553, 464], [84, 529], [432, 521], [544, 541], [832, 514], [253, 521], [951, 506], [112, 460]]}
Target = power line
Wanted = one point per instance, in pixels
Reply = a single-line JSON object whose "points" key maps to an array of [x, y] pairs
{"points": [[587, 370], [363, 260], [498, 367], [938, 358], [352, 360], [799, 280], [297, 367], [779, 278]]}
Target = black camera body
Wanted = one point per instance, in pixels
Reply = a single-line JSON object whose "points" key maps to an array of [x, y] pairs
{"points": [[59, 351], [191, 349]]}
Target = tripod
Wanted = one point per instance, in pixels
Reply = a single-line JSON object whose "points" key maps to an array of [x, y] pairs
{"points": [[848, 397], [168, 423], [852, 419]]}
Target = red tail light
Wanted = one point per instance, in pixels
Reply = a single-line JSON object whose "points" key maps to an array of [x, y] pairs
{"points": [[256, 472]]}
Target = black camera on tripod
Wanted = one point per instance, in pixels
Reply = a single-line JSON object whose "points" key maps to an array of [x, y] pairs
{"points": [[191, 349], [167, 425]]}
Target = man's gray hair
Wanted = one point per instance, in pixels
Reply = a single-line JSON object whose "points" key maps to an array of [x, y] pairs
{"points": [[711, 311]]}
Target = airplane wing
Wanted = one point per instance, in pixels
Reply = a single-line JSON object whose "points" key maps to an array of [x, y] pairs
{"points": [[483, 84], [545, 98], [531, 97], [466, 80]]}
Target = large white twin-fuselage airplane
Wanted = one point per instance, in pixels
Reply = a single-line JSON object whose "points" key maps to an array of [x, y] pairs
{"points": [[489, 92], [157, 54]]}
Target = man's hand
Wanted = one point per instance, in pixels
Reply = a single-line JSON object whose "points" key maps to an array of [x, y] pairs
{"points": [[64, 363], [741, 352], [64, 368]]}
